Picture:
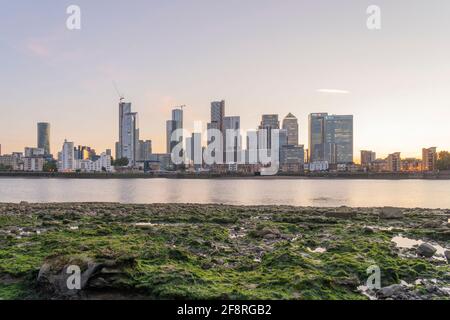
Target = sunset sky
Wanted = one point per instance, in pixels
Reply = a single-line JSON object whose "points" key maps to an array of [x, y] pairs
{"points": [[261, 56]]}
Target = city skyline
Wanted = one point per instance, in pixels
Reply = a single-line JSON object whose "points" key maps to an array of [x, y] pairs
{"points": [[262, 58], [177, 122]]}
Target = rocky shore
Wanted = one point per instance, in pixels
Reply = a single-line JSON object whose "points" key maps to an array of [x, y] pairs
{"points": [[189, 251]]}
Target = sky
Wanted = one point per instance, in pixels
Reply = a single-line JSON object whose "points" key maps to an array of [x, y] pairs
{"points": [[260, 56]]}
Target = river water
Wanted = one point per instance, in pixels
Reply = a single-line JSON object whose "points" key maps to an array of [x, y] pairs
{"points": [[299, 192]]}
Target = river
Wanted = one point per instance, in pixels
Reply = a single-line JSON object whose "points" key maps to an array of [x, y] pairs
{"points": [[299, 192]]}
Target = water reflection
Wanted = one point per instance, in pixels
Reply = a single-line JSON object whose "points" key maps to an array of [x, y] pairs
{"points": [[302, 192]]}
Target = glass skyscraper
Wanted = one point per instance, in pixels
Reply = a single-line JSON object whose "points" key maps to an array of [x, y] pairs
{"points": [[338, 141], [290, 123], [128, 133], [43, 137], [316, 126], [331, 138]]}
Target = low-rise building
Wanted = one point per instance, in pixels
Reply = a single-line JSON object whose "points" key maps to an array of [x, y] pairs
{"points": [[33, 164], [394, 162], [367, 157], [11, 161], [429, 158], [317, 166], [102, 164], [411, 165]]}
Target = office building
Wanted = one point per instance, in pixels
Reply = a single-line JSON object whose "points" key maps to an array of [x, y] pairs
{"points": [[174, 124], [338, 139], [292, 158], [128, 133], [290, 124], [316, 131], [330, 138], [232, 139], [218, 114], [43, 137], [269, 122], [144, 150]]}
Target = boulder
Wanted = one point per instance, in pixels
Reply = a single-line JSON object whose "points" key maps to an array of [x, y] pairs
{"points": [[426, 250], [391, 213], [391, 291], [53, 276]]}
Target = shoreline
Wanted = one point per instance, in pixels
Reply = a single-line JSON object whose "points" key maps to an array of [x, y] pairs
{"points": [[217, 205], [342, 175]]}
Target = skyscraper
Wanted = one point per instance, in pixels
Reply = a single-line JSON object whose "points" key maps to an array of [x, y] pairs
{"points": [[218, 114], [43, 136], [269, 122], [217, 122], [67, 157], [171, 125], [290, 124], [144, 150], [338, 139], [232, 125], [316, 129], [330, 138], [128, 133]]}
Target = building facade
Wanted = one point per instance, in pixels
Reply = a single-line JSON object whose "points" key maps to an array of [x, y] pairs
{"points": [[394, 162], [33, 164], [290, 124], [367, 157], [429, 158], [316, 132], [128, 133], [102, 164], [338, 139], [218, 114], [232, 139], [171, 125], [43, 137], [67, 161], [268, 123], [144, 150], [330, 138]]}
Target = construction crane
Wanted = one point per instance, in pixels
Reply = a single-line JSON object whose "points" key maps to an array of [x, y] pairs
{"points": [[121, 97]]}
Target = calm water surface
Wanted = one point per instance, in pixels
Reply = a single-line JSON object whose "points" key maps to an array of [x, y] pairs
{"points": [[361, 193]]}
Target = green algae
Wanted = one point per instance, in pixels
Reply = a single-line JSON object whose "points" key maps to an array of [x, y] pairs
{"points": [[187, 251]]}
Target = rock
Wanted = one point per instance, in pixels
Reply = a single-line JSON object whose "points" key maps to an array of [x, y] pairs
{"points": [[391, 213], [432, 224], [53, 276], [341, 213], [426, 250], [391, 291], [368, 230], [447, 254]]}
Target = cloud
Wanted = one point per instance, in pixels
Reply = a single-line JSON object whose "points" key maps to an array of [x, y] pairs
{"points": [[38, 48], [334, 91]]}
